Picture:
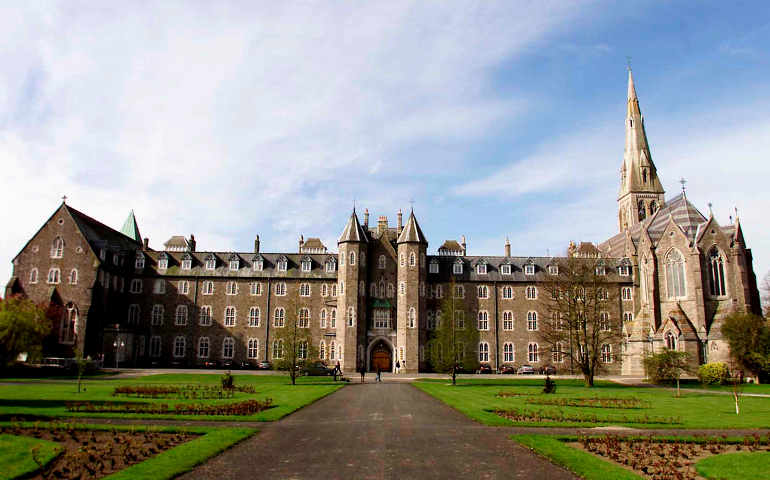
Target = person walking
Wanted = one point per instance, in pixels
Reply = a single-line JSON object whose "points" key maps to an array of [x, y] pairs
{"points": [[363, 373], [398, 367], [337, 370], [379, 374]]}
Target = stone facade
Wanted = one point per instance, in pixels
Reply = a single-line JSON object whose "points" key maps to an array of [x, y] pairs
{"points": [[674, 272]]}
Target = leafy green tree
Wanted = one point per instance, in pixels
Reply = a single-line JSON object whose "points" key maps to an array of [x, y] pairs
{"points": [[454, 340], [23, 326], [749, 339], [579, 298], [292, 342], [667, 366]]}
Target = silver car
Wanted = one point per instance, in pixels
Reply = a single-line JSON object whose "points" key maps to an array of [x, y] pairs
{"points": [[526, 370]]}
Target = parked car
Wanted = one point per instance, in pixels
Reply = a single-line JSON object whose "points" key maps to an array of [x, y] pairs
{"points": [[548, 370], [526, 370], [507, 369], [317, 368], [485, 368], [209, 364], [264, 365]]}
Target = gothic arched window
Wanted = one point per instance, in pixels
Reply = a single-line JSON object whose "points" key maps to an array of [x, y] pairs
{"points": [[642, 210], [653, 207], [670, 340], [716, 273], [675, 284]]}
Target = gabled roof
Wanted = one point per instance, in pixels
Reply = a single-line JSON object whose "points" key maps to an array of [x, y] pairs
{"points": [[353, 231], [99, 235], [412, 232], [313, 242], [131, 229], [684, 214], [451, 245], [176, 241]]}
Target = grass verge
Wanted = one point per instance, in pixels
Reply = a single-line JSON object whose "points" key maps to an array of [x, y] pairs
{"points": [[16, 457], [735, 466]]}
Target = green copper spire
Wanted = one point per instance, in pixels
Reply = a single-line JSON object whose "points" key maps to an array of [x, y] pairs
{"points": [[131, 229]]}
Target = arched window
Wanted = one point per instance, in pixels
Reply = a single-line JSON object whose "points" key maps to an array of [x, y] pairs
{"points": [[54, 275], [531, 292], [459, 291], [508, 353], [304, 290], [382, 289], [74, 277], [507, 292], [373, 290], [390, 290], [483, 318], [180, 345], [208, 287], [278, 349], [302, 350], [304, 318], [557, 354], [483, 291], [254, 317], [229, 316], [322, 350], [507, 320], [33, 275], [159, 286], [351, 316], [412, 259], [532, 353], [57, 248], [332, 350], [333, 318], [606, 353], [402, 288], [531, 321], [323, 318], [205, 316], [203, 347], [280, 289], [412, 320], [381, 262], [642, 210], [716, 273], [68, 325], [232, 288], [133, 314], [483, 352], [402, 259], [670, 340], [253, 348], [180, 318], [604, 321], [157, 314], [352, 258], [279, 317], [228, 347], [675, 282]]}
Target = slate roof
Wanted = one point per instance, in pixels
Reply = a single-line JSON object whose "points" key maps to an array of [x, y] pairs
{"points": [[101, 236], [353, 231], [131, 229], [451, 245], [176, 241], [313, 242], [412, 232]]}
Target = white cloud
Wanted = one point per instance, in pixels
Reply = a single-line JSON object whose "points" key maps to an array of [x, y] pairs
{"points": [[228, 119]]}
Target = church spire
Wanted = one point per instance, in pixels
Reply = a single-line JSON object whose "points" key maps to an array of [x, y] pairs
{"points": [[641, 192], [131, 229]]}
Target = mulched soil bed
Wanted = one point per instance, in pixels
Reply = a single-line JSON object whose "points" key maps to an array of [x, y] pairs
{"points": [[665, 459], [550, 416], [91, 454]]}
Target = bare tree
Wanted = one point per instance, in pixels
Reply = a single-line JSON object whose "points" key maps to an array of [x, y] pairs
{"points": [[579, 326], [764, 290], [292, 342], [453, 339]]}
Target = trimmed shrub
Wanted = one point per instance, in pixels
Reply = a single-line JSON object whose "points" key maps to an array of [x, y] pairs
{"points": [[714, 373]]}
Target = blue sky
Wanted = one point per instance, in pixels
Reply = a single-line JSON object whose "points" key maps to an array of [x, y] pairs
{"points": [[497, 118]]}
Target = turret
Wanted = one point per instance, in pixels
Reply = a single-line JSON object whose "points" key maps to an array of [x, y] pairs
{"points": [[351, 306], [410, 301]]}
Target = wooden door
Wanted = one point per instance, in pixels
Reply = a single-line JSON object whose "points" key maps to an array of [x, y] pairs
{"points": [[381, 360]]}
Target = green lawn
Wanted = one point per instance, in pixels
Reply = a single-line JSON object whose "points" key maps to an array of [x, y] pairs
{"points": [[735, 466], [745, 388], [46, 400], [16, 458], [477, 398]]}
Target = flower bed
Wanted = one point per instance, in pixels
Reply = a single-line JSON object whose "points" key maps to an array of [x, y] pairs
{"points": [[666, 459], [90, 454], [248, 407], [594, 402], [513, 394], [195, 392], [548, 416]]}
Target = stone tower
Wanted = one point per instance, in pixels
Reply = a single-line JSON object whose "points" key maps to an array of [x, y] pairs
{"points": [[641, 193], [351, 324], [410, 308]]}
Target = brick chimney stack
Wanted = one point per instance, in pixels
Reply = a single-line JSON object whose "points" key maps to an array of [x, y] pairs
{"points": [[399, 215], [191, 243], [382, 224], [301, 242], [465, 247], [256, 244], [366, 219], [507, 247]]}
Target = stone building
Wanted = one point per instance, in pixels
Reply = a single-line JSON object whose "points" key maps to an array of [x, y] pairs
{"points": [[675, 274]]}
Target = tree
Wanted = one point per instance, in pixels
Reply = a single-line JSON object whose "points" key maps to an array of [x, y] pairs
{"points": [[749, 339], [579, 326], [82, 365], [292, 343], [667, 366], [451, 343], [23, 326], [765, 294]]}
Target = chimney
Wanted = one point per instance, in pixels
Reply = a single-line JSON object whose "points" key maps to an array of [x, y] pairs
{"points": [[301, 242], [146, 243], [366, 219], [191, 243], [507, 247], [462, 243], [382, 224], [256, 244], [400, 221]]}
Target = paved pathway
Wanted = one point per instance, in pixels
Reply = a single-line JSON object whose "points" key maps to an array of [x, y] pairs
{"points": [[378, 431]]}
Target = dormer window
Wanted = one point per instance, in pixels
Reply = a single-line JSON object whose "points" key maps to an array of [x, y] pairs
{"points": [[481, 269], [235, 263], [186, 262], [624, 270], [282, 264], [600, 270], [139, 260], [553, 269], [505, 269], [115, 259], [307, 264], [529, 269], [433, 268], [211, 262], [331, 266], [103, 254], [457, 268], [257, 264], [162, 262]]}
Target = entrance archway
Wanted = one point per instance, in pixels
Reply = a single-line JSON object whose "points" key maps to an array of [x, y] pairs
{"points": [[380, 356]]}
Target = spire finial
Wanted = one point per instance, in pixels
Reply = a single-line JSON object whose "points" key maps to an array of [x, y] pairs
{"points": [[684, 186], [411, 204], [354, 204], [628, 62], [64, 199], [711, 212]]}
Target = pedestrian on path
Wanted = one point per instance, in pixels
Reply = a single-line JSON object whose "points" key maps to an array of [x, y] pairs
{"points": [[398, 367], [337, 370], [363, 373], [379, 374]]}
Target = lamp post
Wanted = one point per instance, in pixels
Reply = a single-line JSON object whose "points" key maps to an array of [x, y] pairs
{"points": [[118, 344]]}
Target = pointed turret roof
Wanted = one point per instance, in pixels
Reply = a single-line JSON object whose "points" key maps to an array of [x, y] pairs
{"points": [[131, 229], [412, 232], [637, 151], [353, 231]]}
